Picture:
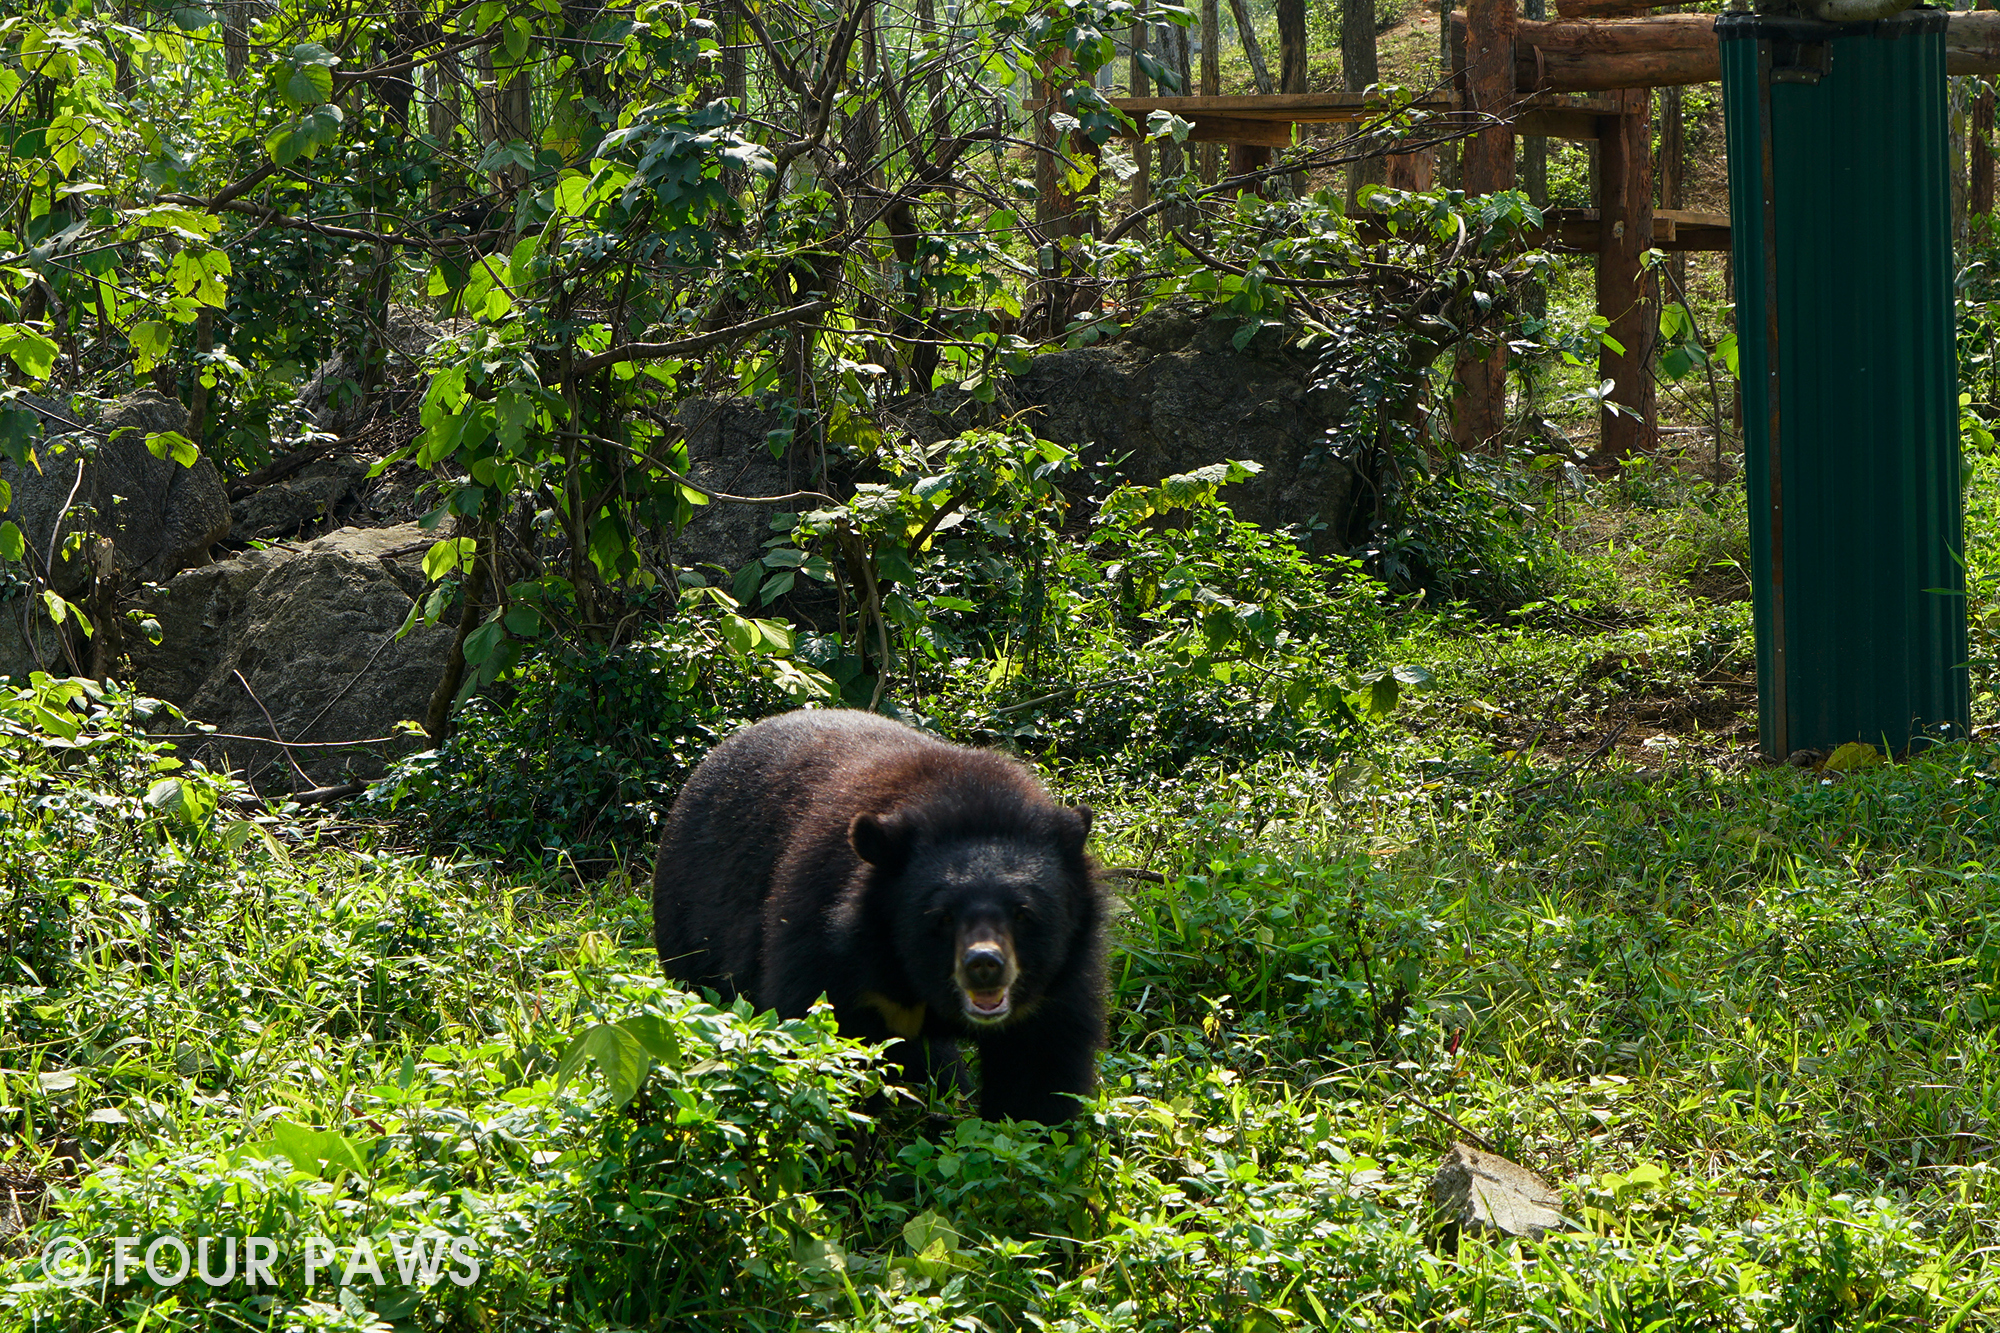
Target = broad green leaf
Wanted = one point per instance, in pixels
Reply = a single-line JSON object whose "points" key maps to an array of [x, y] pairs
{"points": [[313, 1150], [168, 796], [479, 644], [172, 444], [660, 1037], [33, 353], [449, 556], [151, 340], [619, 1056], [13, 546]]}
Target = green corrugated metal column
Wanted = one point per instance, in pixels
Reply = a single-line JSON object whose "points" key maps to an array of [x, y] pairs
{"points": [[1840, 202]]}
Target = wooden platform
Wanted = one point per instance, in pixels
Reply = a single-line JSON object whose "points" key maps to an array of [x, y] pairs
{"points": [[1673, 229], [1267, 119]]}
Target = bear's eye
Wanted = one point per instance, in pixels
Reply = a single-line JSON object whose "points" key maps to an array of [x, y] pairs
{"points": [[1021, 912]]}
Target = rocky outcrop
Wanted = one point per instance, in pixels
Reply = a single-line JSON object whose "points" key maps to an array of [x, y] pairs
{"points": [[304, 640], [729, 451], [1172, 394], [331, 394], [97, 477], [315, 496]]}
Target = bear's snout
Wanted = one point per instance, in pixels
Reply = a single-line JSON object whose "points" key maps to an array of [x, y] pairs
{"points": [[986, 972]]}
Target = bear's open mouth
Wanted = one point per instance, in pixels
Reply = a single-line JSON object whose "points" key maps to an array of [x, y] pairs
{"points": [[987, 1003]]}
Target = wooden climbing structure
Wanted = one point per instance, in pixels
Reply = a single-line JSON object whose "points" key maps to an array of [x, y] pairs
{"points": [[1588, 74]]}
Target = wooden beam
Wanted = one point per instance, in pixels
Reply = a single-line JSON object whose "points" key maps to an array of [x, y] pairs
{"points": [[1630, 53], [1673, 229], [1572, 57]]}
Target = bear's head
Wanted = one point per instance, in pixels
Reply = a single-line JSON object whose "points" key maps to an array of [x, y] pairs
{"points": [[985, 912]]}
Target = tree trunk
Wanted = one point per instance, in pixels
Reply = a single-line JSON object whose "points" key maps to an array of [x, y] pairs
{"points": [[438, 717], [1671, 169], [1140, 86], [1535, 148], [1449, 65], [1358, 71], [1488, 168], [505, 112], [1358, 67], [1252, 49], [1625, 223], [235, 38], [443, 113], [204, 343], [1982, 152], [1211, 76], [1292, 46]]}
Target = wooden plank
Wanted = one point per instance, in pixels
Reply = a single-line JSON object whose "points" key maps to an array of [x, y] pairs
{"points": [[1629, 53]]}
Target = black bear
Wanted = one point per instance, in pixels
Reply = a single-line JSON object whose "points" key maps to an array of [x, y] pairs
{"points": [[930, 891]]}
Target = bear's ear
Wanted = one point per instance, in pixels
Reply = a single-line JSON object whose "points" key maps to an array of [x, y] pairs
{"points": [[1083, 817], [883, 843]]}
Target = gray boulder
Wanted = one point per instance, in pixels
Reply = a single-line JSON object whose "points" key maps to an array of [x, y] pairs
{"points": [[728, 451], [98, 477], [1483, 1193], [311, 631], [330, 395], [316, 494], [1172, 394]]}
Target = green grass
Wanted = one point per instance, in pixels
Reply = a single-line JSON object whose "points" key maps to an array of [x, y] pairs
{"points": [[1743, 1016]]}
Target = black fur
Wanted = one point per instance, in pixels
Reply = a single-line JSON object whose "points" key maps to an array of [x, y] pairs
{"points": [[836, 852]]}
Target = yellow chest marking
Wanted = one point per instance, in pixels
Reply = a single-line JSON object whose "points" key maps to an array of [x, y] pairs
{"points": [[903, 1020]]}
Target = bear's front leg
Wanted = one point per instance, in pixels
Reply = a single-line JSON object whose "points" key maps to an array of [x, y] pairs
{"points": [[1025, 1070]]}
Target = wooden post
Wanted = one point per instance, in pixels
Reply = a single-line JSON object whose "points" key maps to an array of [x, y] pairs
{"points": [[1488, 166], [1625, 230]]}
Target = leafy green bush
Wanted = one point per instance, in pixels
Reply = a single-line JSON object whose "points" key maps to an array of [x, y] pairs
{"points": [[580, 754], [1315, 953], [1472, 532]]}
